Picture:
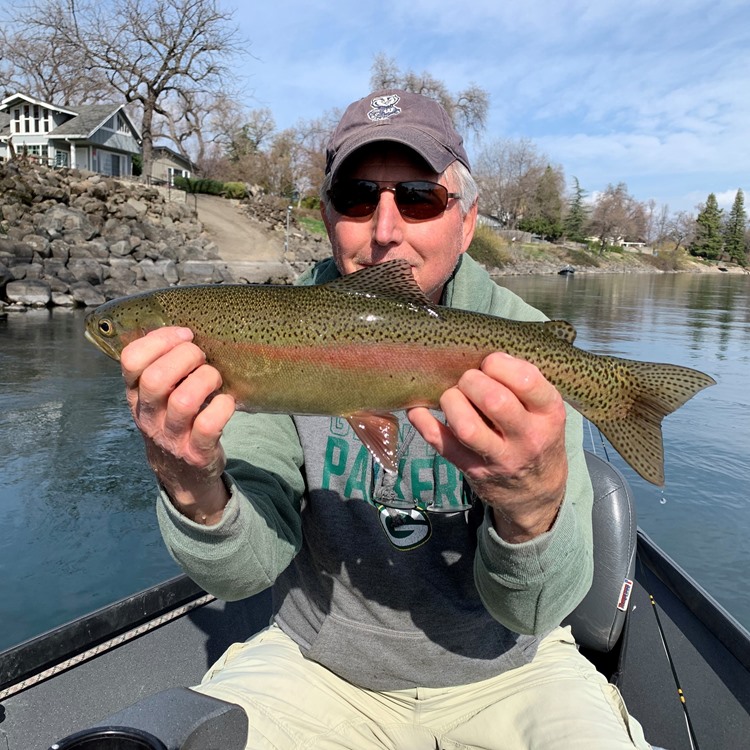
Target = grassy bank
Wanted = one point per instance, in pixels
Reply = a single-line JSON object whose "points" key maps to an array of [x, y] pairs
{"points": [[501, 256]]}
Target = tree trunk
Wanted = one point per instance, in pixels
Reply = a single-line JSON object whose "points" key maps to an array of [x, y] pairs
{"points": [[147, 144]]}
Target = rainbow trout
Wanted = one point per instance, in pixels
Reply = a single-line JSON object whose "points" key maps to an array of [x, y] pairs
{"points": [[370, 343]]}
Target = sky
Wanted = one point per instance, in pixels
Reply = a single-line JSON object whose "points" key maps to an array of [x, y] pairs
{"points": [[655, 94]]}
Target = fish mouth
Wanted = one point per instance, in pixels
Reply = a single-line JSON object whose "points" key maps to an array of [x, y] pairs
{"points": [[103, 346]]}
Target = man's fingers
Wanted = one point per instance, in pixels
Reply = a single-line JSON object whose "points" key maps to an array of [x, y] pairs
{"points": [[444, 440], [142, 352], [161, 377], [525, 381], [188, 397], [211, 421]]}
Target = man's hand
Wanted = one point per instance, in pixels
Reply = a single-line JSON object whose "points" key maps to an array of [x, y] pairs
{"points": [[172, 394], [506, 432]]}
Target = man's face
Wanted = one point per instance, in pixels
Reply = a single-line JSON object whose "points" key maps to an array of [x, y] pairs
{"points": [[432, 247]]}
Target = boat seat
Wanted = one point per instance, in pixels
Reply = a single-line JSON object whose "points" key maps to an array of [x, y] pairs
{"points": [[175, 719], [598, 620]]}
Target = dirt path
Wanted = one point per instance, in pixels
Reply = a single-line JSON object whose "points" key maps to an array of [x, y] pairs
{"points": [[234, 234], [251, 254]]}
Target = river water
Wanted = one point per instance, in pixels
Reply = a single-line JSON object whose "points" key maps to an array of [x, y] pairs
{"points": [[79, 530]]}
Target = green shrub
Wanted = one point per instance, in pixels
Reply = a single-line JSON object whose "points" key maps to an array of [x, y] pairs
{"points": [[235, 190], [210, 187], [184, 183], [489, 248], [310, 201]]}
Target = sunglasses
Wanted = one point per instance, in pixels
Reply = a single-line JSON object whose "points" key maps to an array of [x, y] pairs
{"points": [[416, 199]]}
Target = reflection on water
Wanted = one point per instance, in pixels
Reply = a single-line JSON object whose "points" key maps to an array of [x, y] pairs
{"points": [[79, 527], [702, 515]]}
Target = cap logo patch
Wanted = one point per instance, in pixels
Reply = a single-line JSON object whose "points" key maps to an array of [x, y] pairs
{"points": [[384, 107]]}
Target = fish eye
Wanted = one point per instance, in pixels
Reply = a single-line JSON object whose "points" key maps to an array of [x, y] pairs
{"points": [[106, 327]]}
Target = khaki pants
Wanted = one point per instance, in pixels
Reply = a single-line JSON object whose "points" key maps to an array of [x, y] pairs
{"points": [[559, 701]]}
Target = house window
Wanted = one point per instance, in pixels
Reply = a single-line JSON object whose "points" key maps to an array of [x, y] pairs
{"points": [[38, 151], [61, 158], [118, 123], [16, 120]]}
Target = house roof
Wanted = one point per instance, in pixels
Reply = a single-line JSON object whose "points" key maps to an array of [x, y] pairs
{"points": [[90, 117], [84, 120], [174, 154], [18, 96]]}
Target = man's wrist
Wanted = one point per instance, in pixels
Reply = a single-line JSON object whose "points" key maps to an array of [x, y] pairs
{"points": [[523, 527], [204, 506]]}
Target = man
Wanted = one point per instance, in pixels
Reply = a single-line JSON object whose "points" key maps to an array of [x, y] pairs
{"points": [[410, 610]]}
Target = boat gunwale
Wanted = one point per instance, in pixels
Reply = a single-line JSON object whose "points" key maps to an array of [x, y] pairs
{"points": [[72, 640]]}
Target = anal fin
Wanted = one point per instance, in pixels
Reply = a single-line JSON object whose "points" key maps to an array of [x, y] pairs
{"points": [[379, 433]]}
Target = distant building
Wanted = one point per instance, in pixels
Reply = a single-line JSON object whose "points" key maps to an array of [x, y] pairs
{"points": [[97, 137], [166, 164]]}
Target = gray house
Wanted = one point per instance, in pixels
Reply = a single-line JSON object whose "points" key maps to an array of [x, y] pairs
{"points": [[97, 137], [167, 164]]}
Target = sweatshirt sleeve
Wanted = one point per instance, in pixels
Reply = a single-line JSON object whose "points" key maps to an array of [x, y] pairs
{"points": [[532, 586], [260, 531]]}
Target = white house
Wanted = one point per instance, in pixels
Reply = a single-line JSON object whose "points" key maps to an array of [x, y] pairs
{"points": [[97, 137]]}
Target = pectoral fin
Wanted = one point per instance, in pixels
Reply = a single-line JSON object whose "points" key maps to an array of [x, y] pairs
{"points": [[379, 433]]}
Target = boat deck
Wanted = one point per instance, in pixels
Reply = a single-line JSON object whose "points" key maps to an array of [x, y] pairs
{"points": [[707, 650]]}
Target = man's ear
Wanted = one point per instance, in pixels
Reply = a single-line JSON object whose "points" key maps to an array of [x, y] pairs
{"points": [[469, 225], [326, 218]]}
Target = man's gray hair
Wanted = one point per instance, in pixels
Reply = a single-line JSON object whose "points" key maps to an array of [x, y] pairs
{"points": [[463, 183]]}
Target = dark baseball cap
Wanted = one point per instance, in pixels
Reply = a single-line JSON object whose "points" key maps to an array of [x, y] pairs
{"points": [[402, 117]]}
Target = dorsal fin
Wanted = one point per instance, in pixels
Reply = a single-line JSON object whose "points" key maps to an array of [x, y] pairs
{"points": [[561, 329], [392, 278]]}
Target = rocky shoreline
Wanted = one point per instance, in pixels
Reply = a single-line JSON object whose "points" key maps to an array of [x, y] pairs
{"points": [[75, 239], [69, 238]]}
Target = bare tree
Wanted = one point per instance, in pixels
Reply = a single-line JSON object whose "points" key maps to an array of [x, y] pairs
{"points": [[467, 108], [681, 229], [250, 136], [660, 226], [508, 173], [617, 216], [145, 49], [313, 136], [43, 66]]}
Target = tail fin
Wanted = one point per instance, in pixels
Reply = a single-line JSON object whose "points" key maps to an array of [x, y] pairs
{"points": [[653, 391]]}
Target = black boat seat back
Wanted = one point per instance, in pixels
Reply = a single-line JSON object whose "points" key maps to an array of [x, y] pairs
{"points": [[598, 620]]}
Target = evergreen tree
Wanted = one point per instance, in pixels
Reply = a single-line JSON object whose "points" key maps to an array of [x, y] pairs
{"points": [[734, 230], [708, 242], [544, 216], [577, 216]]}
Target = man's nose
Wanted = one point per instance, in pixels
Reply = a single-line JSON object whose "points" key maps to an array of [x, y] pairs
{"points": [[388, 223]]}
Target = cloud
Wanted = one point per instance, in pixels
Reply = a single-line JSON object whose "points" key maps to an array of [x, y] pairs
{"points": [[726, 198], [651, 94]]}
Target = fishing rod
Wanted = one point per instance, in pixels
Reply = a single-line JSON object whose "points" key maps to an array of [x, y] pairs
{"points": [[680, 693]]}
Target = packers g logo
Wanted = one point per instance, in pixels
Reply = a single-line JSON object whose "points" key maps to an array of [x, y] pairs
{"points": [[405, 529]]}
